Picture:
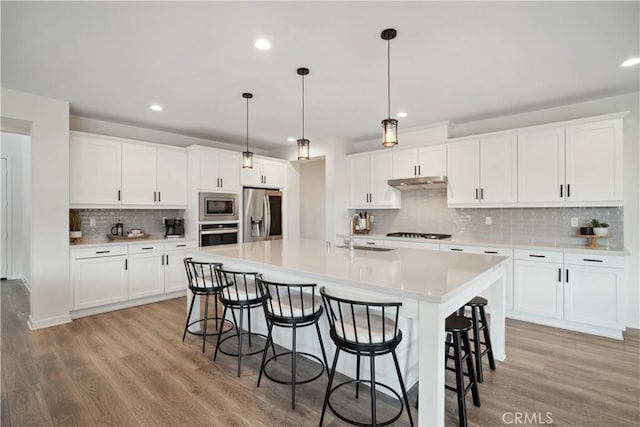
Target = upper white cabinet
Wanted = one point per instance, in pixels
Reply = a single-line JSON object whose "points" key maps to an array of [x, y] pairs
{"points": [[541, 166], [594, 162], [426, 161], [216, 170], [107, 171], [94, 175], [368, 176], [483, 171], [265, 173]]}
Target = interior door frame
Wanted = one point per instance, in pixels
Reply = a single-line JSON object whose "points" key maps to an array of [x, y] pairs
{"points": [[8, 183]]}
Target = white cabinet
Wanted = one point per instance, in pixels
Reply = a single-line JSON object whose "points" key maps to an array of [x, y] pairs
{"points": [[99, 277], [368, 176], [482, 171], [171, 178], [541, 166], [265, 173], [146, 270], [216, 170], [175, 276], [426, 161], [94, 176], [594, 162], [538, 288], [139, 170]]}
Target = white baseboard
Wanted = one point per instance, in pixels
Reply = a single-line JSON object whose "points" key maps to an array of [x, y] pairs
{"points": [[76, 314], [51, 321], [572, 326], [26, 284]]}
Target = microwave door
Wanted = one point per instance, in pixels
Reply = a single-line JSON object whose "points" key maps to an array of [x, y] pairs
{"points": [[253, 221]]}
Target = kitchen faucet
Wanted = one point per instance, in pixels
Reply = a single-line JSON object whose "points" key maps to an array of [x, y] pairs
{"points": [[350, 241]]}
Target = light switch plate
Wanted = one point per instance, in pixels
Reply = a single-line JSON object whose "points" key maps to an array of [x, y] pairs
{"points": [[574, 221], [92, 221], [487, 220], [371, 218]]}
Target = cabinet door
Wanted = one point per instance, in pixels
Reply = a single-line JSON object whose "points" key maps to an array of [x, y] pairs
{"points": [[592, 295], [99, 281], [172, 177], [405, 163], [498, 170], [538, 288], [252, 177], [138, 174], [432, 161], [146, 274], [175, 275], [94, 174], [229, 171], [462, 173], [208, 171], [274, 174], [541, 166], [594, 161], [358, 181], [381, 194]]}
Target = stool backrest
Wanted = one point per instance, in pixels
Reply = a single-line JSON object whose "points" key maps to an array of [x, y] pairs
{"points": [[201, 275], [289, 300], [361, 322], [239, 285]]}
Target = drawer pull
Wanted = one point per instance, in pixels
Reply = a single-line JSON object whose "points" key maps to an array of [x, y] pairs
{"points": [[371, 243], [145, 249], [456, 249], [537, 256], [592, 260], [491, 252], [560, 275], [567, 280], [102, 252], [181, 246]]}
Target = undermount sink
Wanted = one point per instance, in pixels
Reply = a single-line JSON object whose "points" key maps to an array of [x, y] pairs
{"points": [[369, 248]]}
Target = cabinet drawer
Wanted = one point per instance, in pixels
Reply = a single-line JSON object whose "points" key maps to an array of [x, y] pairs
{"points": [[98, 252], [453, 248], [595, 260], [487, 250], [146, 248], [538, 255], [179, 245], [417, 245], [369, 242]]}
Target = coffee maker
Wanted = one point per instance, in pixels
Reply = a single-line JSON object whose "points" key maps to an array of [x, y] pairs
{"points": [[173, 227]]}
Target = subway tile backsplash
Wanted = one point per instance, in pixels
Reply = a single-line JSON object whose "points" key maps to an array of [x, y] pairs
{"points": [[426, 211], [149, 220]]}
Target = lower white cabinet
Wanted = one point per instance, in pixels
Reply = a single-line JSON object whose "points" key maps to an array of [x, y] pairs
{"points": [[538, 288], [146, 270], [175, 276], [100, 280]]}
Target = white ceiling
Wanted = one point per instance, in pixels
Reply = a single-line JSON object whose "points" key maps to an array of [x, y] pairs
{"points": [[455, 61]]}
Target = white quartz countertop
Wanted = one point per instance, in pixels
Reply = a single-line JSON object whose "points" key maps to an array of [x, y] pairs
{"points": [[425, 275], [517, 243], [96, 243]]}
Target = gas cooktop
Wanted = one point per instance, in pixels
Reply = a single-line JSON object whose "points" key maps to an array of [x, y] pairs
{"points": [[431, 236]]}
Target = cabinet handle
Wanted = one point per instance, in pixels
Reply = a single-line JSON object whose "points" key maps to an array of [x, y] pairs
{"points": [[491, 252], [456, 249], [592, 260], [415, 171], [126, 264], [180, 246], [167, 259], [476, 194], [419, 170], [150, 247], [482, 194], [560, 275], [221, 182], [561, 191], [102, 252], [162, 260], [567, 280], [159, 198], [568, 190], [154, 196], [118, 195], [537, 256]]}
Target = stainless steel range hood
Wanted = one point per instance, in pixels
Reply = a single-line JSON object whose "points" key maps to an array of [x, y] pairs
{"points": [[419, 183]]}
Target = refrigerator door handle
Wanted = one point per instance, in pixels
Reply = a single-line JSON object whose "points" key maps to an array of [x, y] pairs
{"points": [[267, 217]]}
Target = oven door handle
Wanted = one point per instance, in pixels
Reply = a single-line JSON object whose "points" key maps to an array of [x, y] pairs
{"points": [[218, 231]]}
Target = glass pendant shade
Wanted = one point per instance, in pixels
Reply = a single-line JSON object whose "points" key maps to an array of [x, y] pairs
{"points": [[389, 133], [303, 149], [247, 160]]}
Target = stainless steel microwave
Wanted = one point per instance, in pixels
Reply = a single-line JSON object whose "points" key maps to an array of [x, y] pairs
{"points": [[219, 207]]}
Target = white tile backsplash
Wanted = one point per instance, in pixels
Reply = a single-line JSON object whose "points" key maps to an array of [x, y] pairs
{"points": [[426, 211], [149, 220]]}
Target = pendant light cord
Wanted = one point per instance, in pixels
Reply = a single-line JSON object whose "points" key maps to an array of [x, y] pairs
{"points": [[388, 79], [303, 107], [247, 124]]}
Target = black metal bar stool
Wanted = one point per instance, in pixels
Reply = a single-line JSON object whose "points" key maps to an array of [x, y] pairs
{"points": [[291, 306], [368, 329], [241, 292], [203, 281], [479, 323]]}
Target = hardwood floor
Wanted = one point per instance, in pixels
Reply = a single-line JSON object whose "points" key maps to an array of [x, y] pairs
{"points": [[130, 368]]}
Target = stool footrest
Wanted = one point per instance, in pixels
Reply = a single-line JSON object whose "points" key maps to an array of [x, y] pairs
{"points": [[229, 353], [364, 424], [298, 353], [221, 331]]}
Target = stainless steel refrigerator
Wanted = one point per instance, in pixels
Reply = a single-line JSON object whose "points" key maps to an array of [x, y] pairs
{"points": [[262, 214]]}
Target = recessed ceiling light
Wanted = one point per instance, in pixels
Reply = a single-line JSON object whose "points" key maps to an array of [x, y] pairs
{"points": [[630, 62], [156, 107], [402, 114], [291, 139], [262, 44]]}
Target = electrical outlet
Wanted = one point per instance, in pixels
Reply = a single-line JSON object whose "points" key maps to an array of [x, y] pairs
{"points": [[92, 221], [574, 222], [371, 218], [487, 220]]}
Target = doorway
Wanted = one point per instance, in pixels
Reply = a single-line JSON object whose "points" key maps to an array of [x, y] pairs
{"points": [[313, 199], [4, 221]]}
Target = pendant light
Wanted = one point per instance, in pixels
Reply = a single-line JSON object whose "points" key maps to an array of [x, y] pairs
{"points": [[247, 156], [303, 144], [389, 125]]}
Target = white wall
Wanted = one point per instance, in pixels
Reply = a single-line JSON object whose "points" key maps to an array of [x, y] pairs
{"points": [[628, 102], [312, 200], [12, 148], [49, 187]]}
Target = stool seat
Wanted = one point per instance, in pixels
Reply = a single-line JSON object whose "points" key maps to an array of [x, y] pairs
{"points": [[297, 306], [374, 330], [477, 302], [455, 323]]}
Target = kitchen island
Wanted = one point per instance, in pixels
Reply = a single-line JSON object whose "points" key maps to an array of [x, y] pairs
{"points": [[430, 284]]}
